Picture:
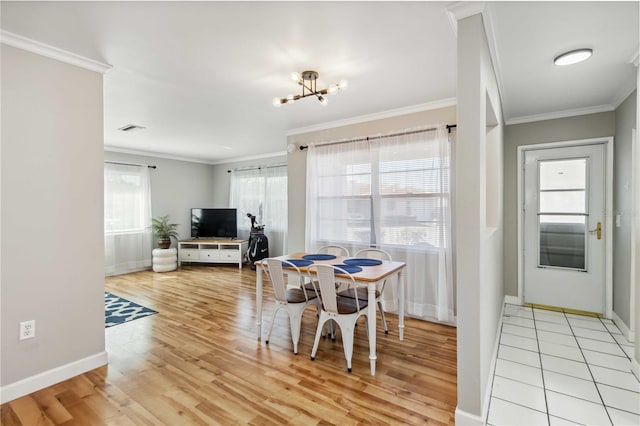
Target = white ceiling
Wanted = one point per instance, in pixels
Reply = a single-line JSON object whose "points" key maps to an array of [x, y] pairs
{"points": [[200, 76]]}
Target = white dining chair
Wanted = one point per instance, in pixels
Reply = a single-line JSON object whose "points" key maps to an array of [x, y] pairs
{"points": [[344, 311], [293, 299], [362, 292], [334, 249]]}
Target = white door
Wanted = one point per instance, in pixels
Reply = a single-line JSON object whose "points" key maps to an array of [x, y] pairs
{"points": [[564, 225]]}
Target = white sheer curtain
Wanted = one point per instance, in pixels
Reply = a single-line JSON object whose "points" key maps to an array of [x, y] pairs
{"points": [[390, 192], [263, 193], [127, 218]]}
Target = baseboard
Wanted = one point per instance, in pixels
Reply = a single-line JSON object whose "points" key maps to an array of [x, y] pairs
{"points": [[51, 377], [512, 300], [635, 368], [464, 418], [622, 326]]}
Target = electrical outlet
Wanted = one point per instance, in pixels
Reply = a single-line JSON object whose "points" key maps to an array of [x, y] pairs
{"points": [[27, 329]]}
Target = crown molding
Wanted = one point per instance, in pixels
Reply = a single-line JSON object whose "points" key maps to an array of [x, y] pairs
{"points": [[624, 93], [24, 43], [155, 154], [444, 103], [462, 9], [251, 157], [192, 160], [560, 114]]}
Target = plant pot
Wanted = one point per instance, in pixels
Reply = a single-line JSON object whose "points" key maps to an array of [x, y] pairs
{"points": [[164, 243]]}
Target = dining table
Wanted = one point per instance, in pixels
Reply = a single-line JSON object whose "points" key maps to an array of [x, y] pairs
{"points": [[368, 276]]}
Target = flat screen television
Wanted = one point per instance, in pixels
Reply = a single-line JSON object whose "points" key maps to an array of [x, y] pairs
{"points": [[214, 223]]}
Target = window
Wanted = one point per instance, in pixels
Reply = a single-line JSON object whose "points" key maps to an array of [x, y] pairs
{"points": [[127, 218], [378, 193], [262, 192]]}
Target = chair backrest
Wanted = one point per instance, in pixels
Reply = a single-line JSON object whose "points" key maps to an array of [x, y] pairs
{"points": [[333, 249], [373, 253], [275, 270], [326, 280]]}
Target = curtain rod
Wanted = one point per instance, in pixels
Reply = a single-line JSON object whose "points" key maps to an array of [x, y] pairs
{"points": [[130, 164], [256, 167], [372, 138]]}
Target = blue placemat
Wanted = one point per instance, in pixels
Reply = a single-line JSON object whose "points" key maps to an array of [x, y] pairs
{"points": [[352, 269], [319, 256], [362, 261], [298, 262]]}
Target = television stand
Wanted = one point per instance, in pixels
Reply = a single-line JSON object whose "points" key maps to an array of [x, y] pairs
{"points": [[212, 251]]}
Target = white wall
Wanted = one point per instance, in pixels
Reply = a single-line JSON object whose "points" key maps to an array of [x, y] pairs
{"points": [[176, 187], [479, 221], [52, 220]]}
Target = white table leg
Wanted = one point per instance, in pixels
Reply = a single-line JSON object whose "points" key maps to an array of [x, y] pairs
{"points": [[401, 304], [259, 299], [371, 321]]}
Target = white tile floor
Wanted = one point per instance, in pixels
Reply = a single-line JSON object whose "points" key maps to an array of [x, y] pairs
{"points": [[555, 368]]}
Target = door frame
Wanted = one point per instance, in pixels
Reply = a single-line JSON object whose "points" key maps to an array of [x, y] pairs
{"points": [[608, 216]]}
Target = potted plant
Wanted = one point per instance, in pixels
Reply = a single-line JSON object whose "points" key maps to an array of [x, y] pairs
{"points": [[164, 231]]}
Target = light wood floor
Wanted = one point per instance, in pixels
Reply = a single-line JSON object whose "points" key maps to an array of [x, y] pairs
{"points": [[198, 361]]}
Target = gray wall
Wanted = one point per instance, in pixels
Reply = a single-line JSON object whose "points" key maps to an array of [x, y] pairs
{"points": [[297, 161], [176, 187], [625, 121], [479, 220], [52, 217], [562, 129]]}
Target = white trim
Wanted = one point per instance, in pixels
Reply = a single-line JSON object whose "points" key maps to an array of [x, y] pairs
{"points": [[635, 368], [193, 160], [490, 32], [512, 300], [633, 273], [624, 93], [153, 154], [462, 9], [622, 326], [51, 377], [251, 157], [444, 103], [462, 418], [560, 114], [608, 222], [24, 43]]}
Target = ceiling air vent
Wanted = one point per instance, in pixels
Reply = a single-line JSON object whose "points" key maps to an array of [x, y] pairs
{"points": [[131, 128]]}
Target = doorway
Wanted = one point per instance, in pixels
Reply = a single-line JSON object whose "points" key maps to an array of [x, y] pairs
{"points": [[564, 229]]}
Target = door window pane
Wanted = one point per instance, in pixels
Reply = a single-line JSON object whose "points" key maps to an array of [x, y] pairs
{"points": [[562, 194], [562, 241], [563, 174]]}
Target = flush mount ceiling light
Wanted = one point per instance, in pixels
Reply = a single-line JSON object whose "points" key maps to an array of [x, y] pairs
{"points": [[573, 57], [307, 79]]}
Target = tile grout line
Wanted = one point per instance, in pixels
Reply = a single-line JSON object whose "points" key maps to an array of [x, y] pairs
{"points": [[589, 368], [544, 387]]}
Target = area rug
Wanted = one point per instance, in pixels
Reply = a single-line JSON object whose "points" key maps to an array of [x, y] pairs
{"points": [[119, 310]]}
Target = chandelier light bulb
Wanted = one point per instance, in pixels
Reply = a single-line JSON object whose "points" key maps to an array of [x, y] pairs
{"points": [[307, 80]]}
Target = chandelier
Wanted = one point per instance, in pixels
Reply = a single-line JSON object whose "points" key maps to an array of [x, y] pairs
{"points": [[307, 79]]}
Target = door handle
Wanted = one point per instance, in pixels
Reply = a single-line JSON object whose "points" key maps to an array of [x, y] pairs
{"points": [[598, 230]]}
